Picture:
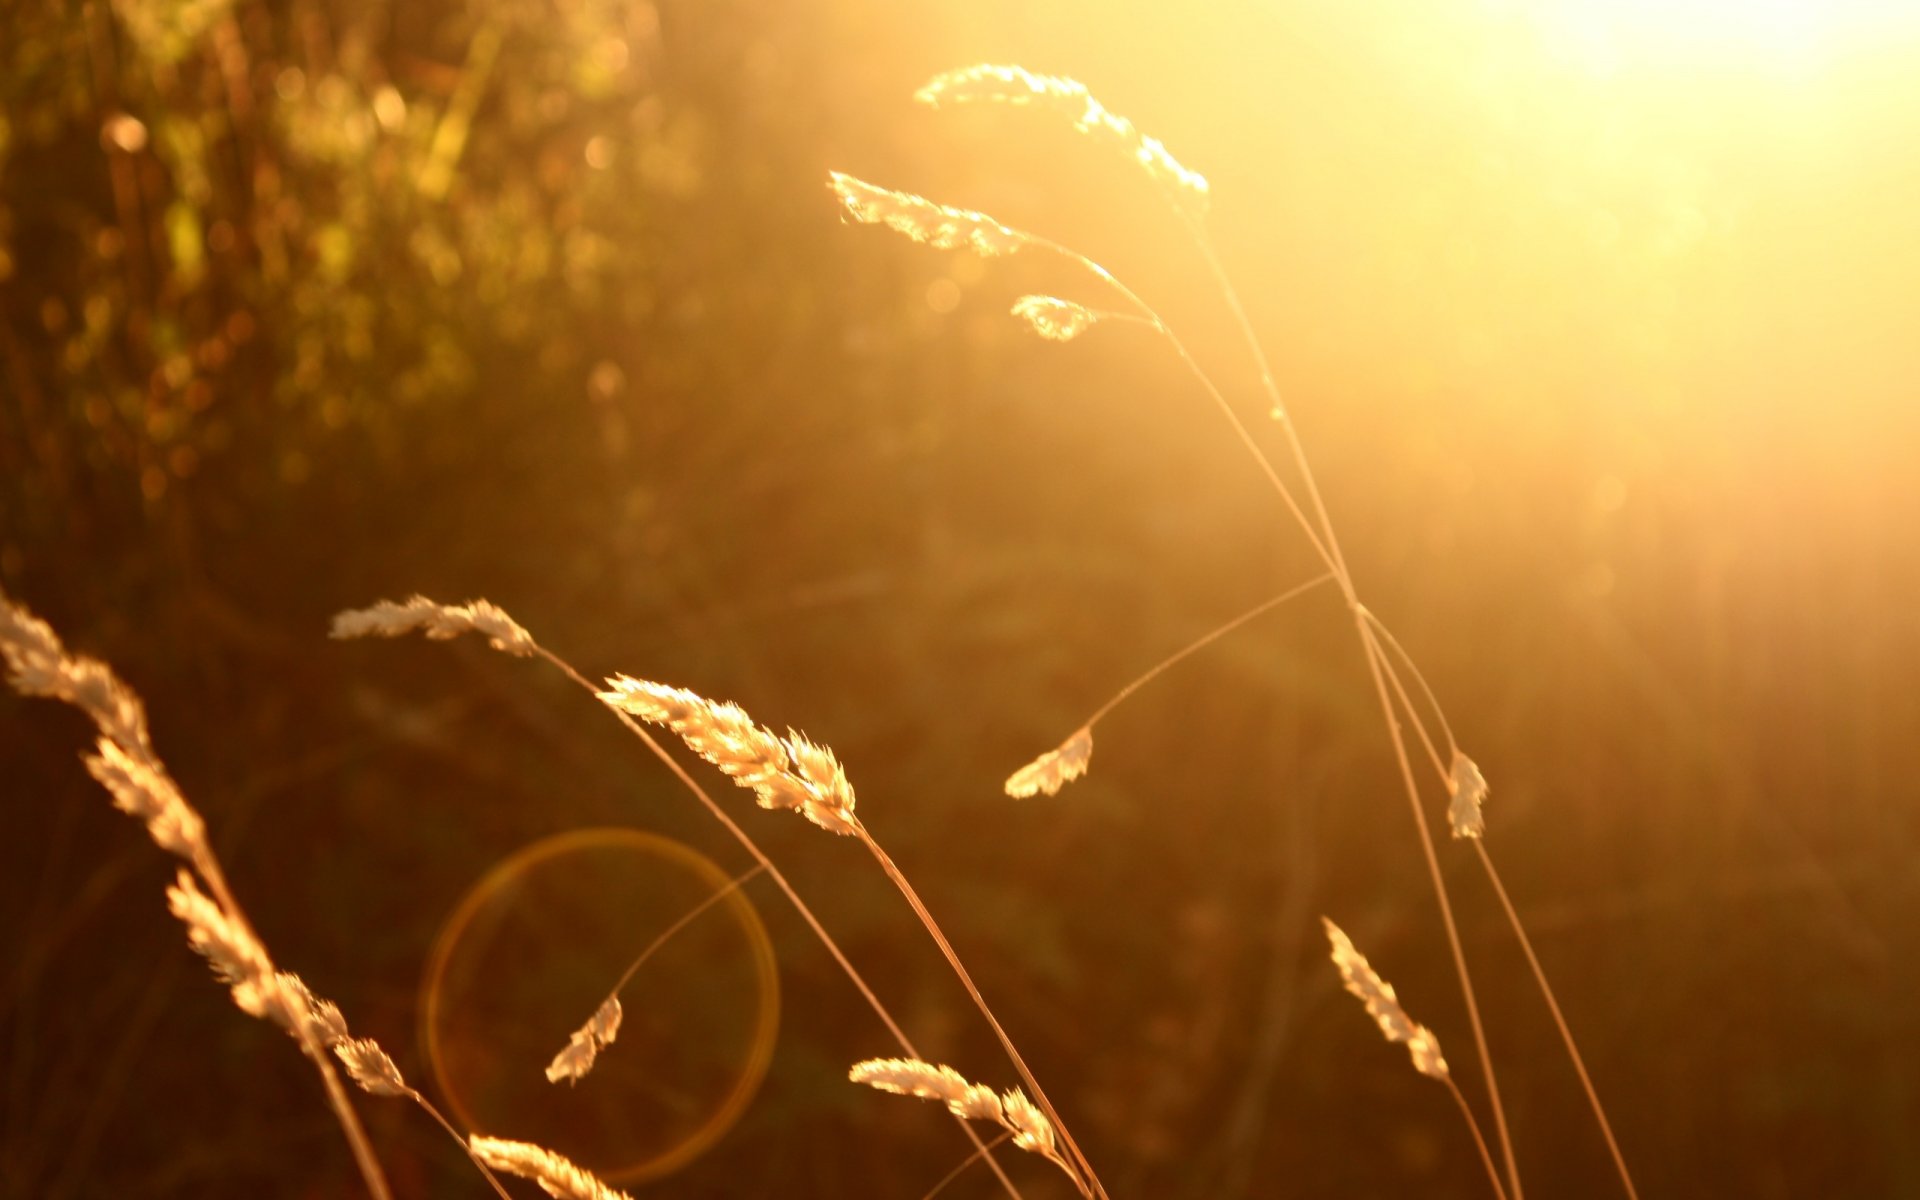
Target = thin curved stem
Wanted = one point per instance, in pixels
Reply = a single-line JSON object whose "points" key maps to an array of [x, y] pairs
{"points": [[1526, 948], [966, 1162], [1088, 1181], [799, 906], [466, 1147], [1330, 556], [1479, 1139], [1413, 717], [1433, 702], [1559, 1021], [1330, 545], [687, 918], [364, 1158], [1446, 907], [1201, 643]]}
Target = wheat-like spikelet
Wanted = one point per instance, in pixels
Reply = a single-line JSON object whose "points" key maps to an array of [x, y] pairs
{"points": [[370, 1067], [1377, 994], [126, 765], [437, 621], [140, 786], [1054, 769], [237, 957], [586, 1043], [938, 225], [124, 761], [556, 1176], [992, 84], [911, 1077], [789, 772], [1031, 1129], [323, 1017], [38, 665], [1011, 1110], [1055, 319], [1468, 788]]}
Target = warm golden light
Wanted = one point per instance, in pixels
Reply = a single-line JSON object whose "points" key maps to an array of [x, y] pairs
{"points": [[1611, 35]]}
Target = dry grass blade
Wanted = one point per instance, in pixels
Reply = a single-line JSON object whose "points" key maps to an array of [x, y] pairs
{"points": [[586, 1042], [438, 621], [1377, 994], [556, 1175], [1468, 787], [789, 772], [1010, 1110], [992, 84], [938, 225], [1054, 769]]}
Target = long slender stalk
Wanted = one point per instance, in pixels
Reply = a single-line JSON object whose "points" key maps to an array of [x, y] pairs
{"points": [[38, 664], [1446, 908], [1559, 1021], [1201, 643], [1089, 1181], [1330, 543], [1320, 533], [780, 880], [208, 868], [466, 1147], [1419, 677], [687, 918], [1479, 1139], [964, 1163], [1513, 916]]}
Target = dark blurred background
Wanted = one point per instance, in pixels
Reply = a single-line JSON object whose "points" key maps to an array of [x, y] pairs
{"points": [[1597, 320]]}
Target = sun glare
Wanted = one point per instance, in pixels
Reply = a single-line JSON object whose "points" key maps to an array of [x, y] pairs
{"points": [[1790, 35]]}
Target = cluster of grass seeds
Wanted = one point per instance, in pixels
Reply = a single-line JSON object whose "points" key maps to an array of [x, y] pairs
{"points": [[794, 773]]}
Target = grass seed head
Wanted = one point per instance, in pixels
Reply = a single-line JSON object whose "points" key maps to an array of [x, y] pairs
{"points": [[1054, 769], [1384, 1006]]}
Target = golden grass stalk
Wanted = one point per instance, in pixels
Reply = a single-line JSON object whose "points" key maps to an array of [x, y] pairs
{"points": [[1424, 1048], [801, 907], [941, 226], [794, 773], [127, 766], [994, 84], [584, 1045], [373, 1070], [789, 772], [557, 1176], [1068, 761], [1011, 1110], [1447, 777]]}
